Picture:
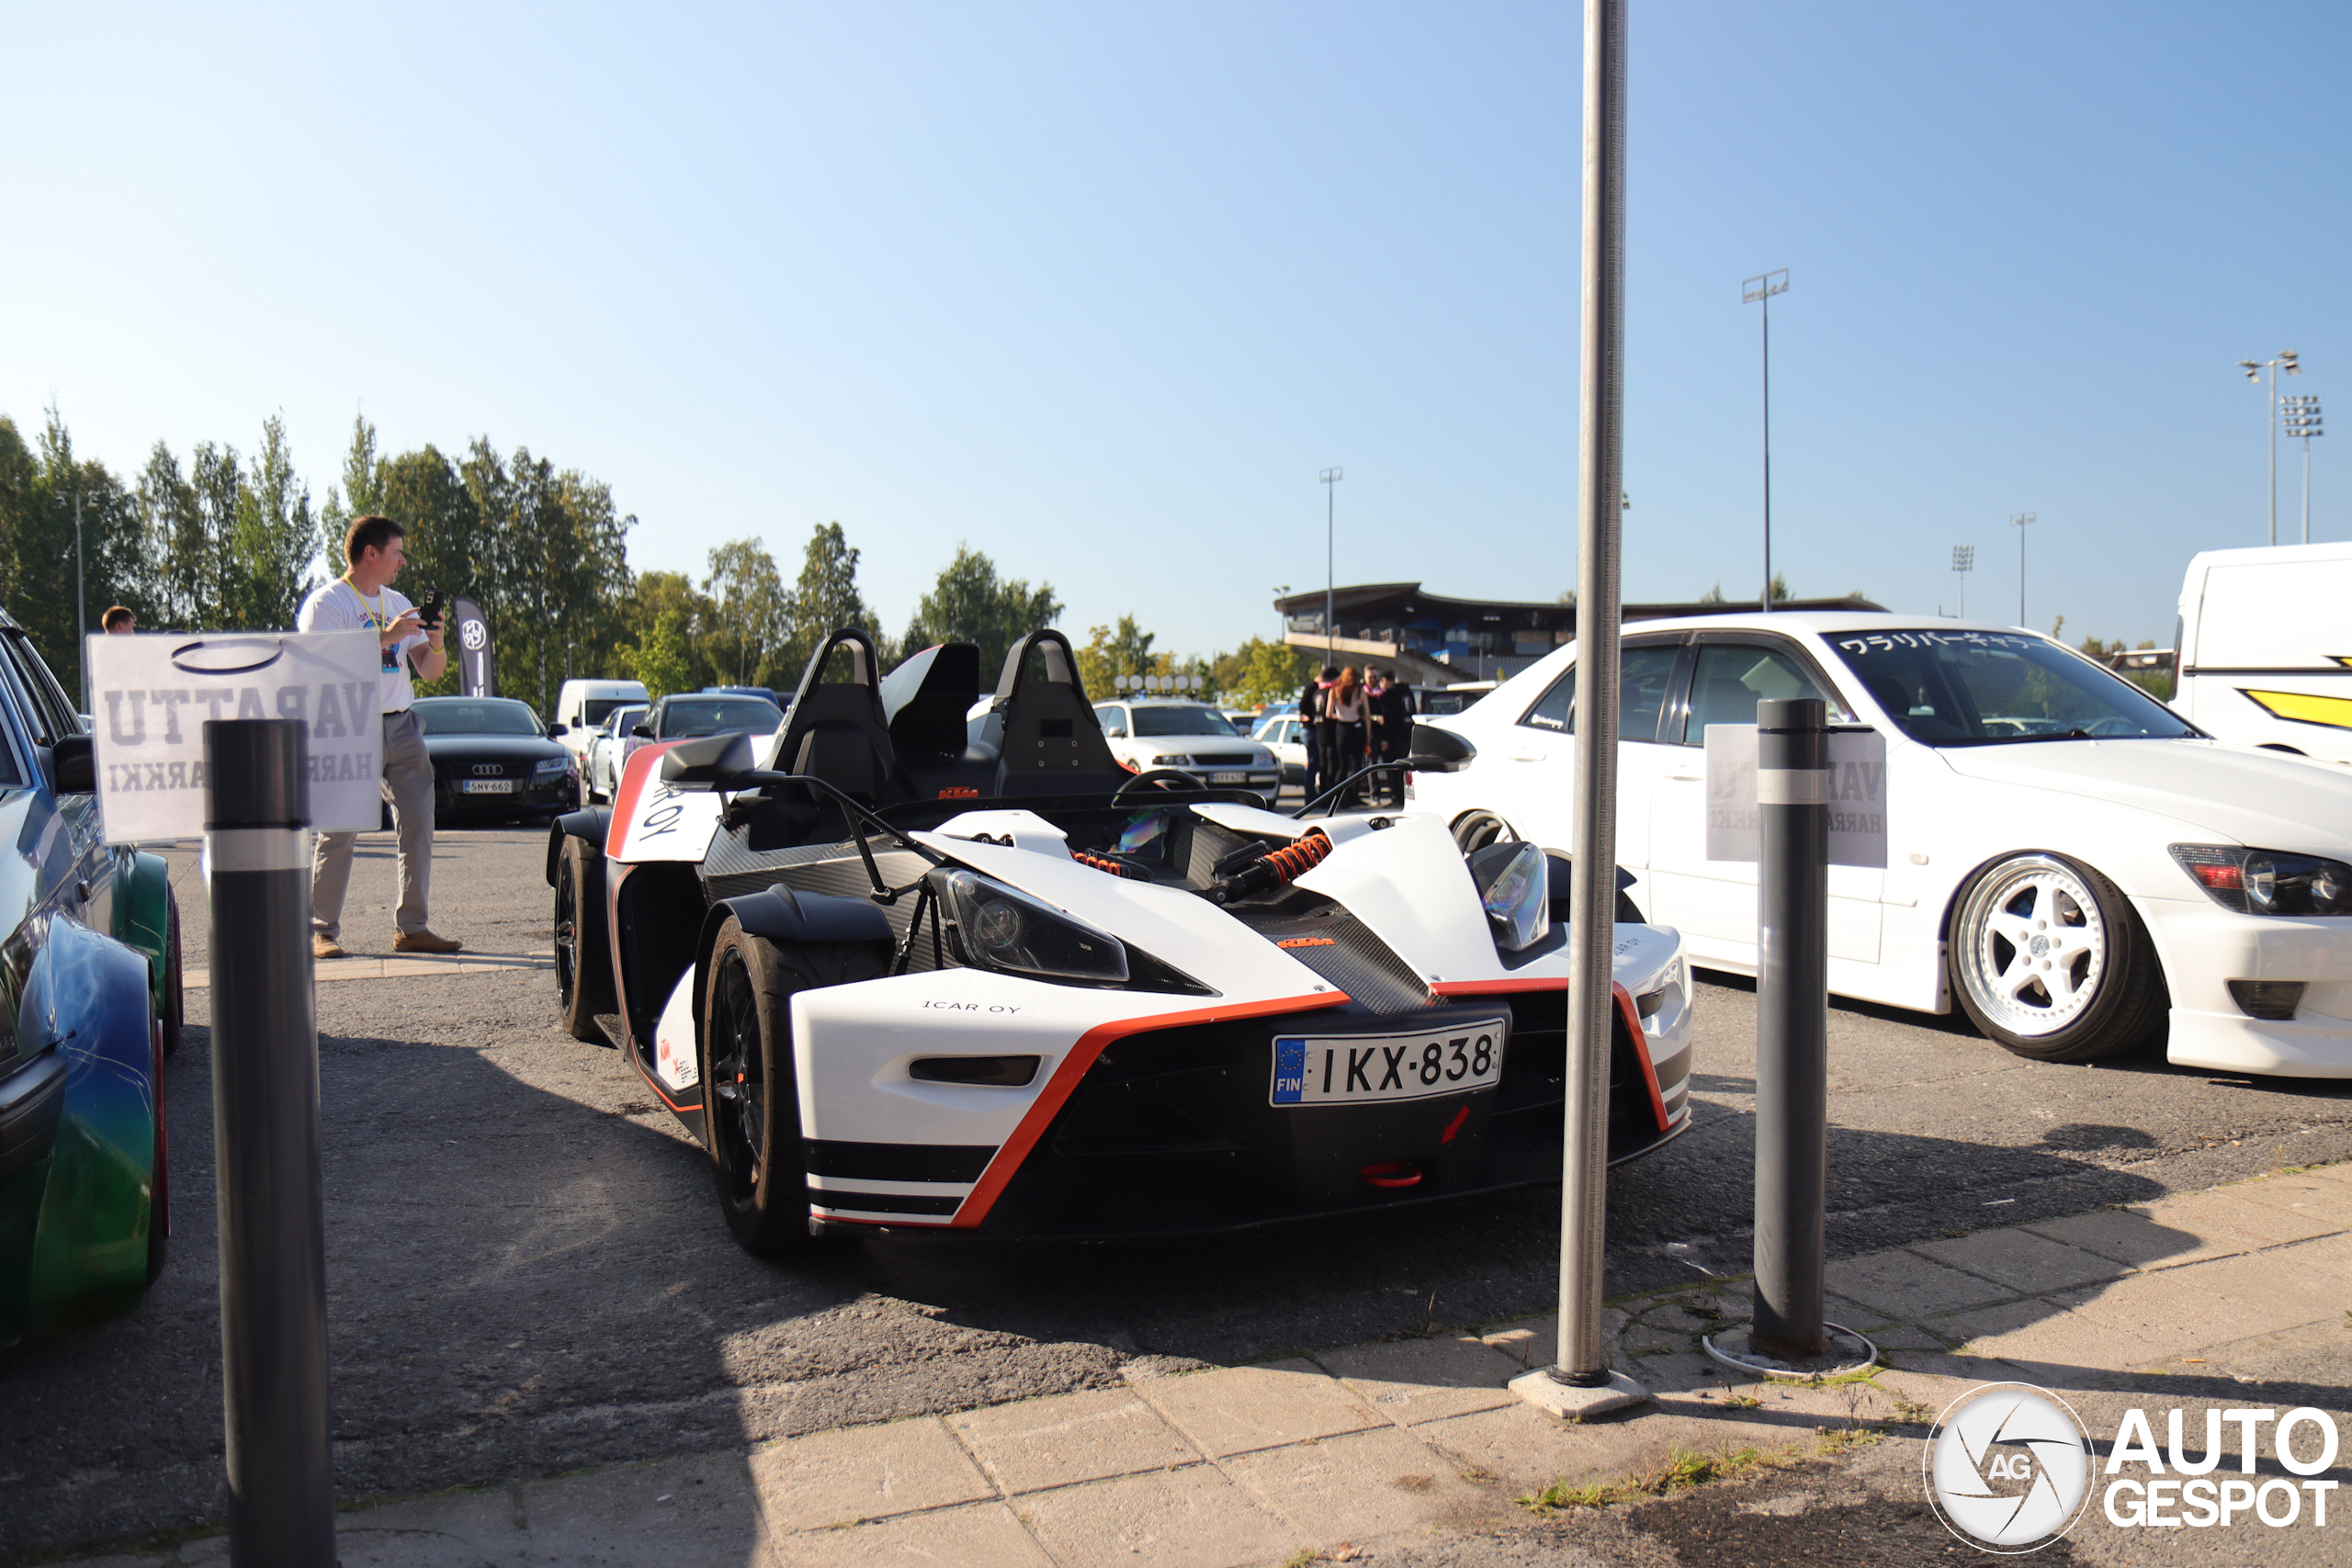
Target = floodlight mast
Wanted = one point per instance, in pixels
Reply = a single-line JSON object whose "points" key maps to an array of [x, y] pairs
{"points": [[1331, 628], [2284, 359], [1759, 291], [1964, 562], [2302, 420]]}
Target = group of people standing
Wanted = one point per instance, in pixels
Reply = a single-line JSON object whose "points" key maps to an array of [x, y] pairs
{"points": [[1354, 720]]}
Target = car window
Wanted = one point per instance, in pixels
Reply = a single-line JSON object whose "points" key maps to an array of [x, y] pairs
{"points": [[1993, 688], [622, 717], [594, 709], [1644, 673], [476, 715], [45, 704], [1181, 720], [710, 715], [1733, 677], [1113, 719]]}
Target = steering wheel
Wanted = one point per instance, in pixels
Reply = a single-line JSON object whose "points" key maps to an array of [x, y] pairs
{"points": [[1162, 778]]}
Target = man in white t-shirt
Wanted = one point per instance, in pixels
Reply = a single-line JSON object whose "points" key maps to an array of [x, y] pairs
{"points": [[364, 597]]}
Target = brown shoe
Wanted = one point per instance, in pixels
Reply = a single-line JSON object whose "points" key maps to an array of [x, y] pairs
{"points": [[324, 946], [424, 942]]}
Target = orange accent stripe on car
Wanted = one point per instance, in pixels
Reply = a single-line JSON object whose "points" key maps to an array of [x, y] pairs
{"points": [[1074, 1067], [1624, 1006], [1493, 987], [625, 799]]}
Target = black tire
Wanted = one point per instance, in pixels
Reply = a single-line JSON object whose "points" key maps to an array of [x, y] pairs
{"points": [[2096, 991], [583, 958], [175, 994], [751, 1098], [1477, 829]]}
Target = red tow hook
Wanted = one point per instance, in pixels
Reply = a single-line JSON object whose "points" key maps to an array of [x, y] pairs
{"points": [[1391, 1173]]}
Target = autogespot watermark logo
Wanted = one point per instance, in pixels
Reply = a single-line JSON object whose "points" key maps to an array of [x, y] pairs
{"points": [[2008, 1468]]}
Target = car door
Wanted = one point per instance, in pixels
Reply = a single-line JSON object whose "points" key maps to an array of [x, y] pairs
{"points": [[76, 861], [1534, 779], [1713, 903]]}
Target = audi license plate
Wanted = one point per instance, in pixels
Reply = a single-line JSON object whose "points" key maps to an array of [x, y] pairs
{"points": [[487, 786], [1228, 778], [1354, 1069]]}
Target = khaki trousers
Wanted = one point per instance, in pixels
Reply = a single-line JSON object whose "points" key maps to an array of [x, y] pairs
{"points": [[408, 784]]}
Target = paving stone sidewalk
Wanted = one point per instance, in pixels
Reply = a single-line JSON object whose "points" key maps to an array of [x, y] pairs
{"points": [[1390, 1451]]}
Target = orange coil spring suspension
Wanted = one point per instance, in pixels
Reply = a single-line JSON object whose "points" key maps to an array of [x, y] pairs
{"points": [[1115, 868], [1290, 863]]}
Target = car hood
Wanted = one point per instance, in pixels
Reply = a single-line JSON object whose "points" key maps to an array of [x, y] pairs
{"points": [[2259, 798], [491, 747]]}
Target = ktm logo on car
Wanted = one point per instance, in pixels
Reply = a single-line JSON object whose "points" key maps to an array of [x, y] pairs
{"points": [[959, 792], [1306, 942]]}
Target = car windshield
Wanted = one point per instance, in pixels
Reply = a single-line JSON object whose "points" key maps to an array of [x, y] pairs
{"points": [[1992, 688], [622, 717], [594, 710], [1180, 721], [709, 716], [476, 715]]}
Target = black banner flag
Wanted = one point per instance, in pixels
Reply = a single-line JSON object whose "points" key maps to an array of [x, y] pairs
{"points": [[474, 676]]}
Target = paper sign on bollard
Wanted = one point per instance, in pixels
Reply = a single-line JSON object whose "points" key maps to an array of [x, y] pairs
{"points": [[1854, 788], [152, 695]]}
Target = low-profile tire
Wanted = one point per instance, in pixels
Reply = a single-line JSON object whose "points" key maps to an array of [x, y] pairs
{"points": [[1477, 829], [751, 1097], [2049, 960], [583, 959], [175, 989]]}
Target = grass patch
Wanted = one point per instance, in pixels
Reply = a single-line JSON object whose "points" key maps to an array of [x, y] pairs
{"points": [[1680, 1471]]}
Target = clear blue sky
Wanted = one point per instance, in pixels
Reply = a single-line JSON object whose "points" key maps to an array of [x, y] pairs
{"points": [[1099, 289]]}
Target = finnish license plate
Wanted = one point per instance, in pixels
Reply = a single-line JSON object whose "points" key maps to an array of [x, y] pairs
{"points": [[486, 787], [1228, 778], [1354, 1069]]}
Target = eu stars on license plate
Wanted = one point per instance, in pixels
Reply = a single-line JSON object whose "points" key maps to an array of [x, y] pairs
{"points": [[1356, 1070]]}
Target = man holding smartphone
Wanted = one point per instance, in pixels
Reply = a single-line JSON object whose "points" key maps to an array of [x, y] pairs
{"points": [[364, 597]]}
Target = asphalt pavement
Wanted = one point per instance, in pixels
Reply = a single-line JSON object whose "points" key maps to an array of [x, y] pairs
{"points": [[527, 1275]]}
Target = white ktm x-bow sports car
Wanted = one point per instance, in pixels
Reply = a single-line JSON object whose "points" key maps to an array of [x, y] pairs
{"points": [[894, 977]]}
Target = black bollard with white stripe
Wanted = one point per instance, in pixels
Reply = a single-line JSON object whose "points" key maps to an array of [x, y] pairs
{"points": [[266, 1141], [1791, 1024]]}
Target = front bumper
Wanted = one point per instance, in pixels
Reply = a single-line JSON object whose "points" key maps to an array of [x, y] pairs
{"points": [[2204, 947], [544, 793], [1170, 1130]]}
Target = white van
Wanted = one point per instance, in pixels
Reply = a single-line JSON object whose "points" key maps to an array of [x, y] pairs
{"points": [[582, 705], [2265, 648]]}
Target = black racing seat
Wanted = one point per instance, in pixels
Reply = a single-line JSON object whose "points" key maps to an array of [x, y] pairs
{"points": [[1050, 742], [925, 701], [836, 730]]}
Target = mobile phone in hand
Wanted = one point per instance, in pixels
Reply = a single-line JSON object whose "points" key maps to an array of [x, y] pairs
{"points": [[428, 615]]}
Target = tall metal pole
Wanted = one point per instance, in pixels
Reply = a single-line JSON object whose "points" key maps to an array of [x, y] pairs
{"points": [[2019, 521], [1760, 290], [1592, 928], [80, 604], [2271, 429], [266, 1141], [1330, 627]]}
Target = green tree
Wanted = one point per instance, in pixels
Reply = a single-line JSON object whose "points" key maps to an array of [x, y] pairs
{"points": [[662, 659], [655, 595], [274, 539], [57, 571], [825, 600], [753, 612], [972, 604], [1112, 652], [1260, 672], [361, 493], [182, 577]]}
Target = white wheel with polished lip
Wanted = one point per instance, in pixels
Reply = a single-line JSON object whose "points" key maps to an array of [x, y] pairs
{"points": [[2051, 962]]}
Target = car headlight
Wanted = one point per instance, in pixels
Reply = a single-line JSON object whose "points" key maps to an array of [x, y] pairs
{"points": [[553, 765], [1515, 888], [2267, 882], [1177, 762], [1003, 928]]}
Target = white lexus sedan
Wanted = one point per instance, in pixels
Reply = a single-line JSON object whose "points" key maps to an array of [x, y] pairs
{"points": [[2077, 865]]}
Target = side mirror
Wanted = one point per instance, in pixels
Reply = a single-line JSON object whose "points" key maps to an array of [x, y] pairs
{"points": [[709, 760], [1439, 751], [558, 727], [641, 730], [1116, 731], [77, 769]]}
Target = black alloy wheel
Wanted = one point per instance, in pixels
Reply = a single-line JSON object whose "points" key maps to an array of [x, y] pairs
{"points": [[584, 974], [751, 1099]]}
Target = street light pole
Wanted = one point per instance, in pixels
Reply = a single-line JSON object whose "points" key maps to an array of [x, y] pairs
{"points": [[2284, 359], [1330, 627], [1760, 290], [81, 606], [2020, 520], [2303, 423], [1964, 562]]}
